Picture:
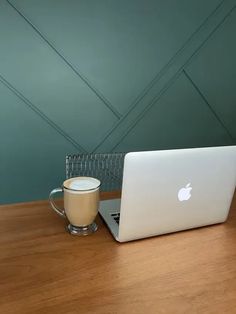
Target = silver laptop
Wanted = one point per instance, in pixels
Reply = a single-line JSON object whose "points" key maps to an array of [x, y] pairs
{"points": [[172, 190]]}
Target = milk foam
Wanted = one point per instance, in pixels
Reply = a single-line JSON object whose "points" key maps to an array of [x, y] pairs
{"points": [[83, 184]]}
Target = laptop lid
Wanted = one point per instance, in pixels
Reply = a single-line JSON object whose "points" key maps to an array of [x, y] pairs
{"points": [[171, 190]]}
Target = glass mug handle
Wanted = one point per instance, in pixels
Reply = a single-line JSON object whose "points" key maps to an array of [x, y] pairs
{"points": [[58, 210]]}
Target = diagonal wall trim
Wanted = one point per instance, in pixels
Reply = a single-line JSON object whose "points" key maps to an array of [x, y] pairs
{"points": [[171, 71], [210, 35], [171, 61], [147, 108], [73, 67], [30, 105], [208, 104]]}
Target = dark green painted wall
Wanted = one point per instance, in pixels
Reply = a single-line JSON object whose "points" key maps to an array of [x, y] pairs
{"points": [[103, 76]]}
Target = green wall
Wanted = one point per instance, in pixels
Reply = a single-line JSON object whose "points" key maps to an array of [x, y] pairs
{"points": [[103, 76]]}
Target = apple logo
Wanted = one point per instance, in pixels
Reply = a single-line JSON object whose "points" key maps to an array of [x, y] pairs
{"points": [[184, 193]]}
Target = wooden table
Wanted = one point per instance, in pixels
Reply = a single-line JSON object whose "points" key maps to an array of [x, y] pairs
{"points": [[43, 269]]}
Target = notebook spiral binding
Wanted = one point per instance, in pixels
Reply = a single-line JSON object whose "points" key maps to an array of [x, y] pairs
{"points": [[108, 168]]}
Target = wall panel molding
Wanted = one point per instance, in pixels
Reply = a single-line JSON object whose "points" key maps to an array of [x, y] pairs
{"points": [[180, 118], [40, 74], [38, 112], [69, 64], [170, 73], [209, 105]]}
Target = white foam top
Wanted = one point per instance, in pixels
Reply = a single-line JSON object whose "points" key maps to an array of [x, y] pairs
{"points": [[84, 184]]}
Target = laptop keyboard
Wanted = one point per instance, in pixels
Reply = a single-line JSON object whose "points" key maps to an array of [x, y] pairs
{"points": [[116, 217]]}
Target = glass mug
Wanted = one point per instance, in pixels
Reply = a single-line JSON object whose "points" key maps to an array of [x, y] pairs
{"points": [[81, 202]]}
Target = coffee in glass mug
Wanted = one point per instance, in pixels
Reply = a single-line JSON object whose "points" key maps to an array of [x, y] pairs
{"points": [[81, 202]]}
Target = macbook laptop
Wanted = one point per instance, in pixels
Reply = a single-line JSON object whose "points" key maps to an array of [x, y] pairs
{"points": [[171, 190]]}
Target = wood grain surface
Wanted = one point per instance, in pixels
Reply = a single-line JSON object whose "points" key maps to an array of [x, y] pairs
{"points": [[43, 269]]}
